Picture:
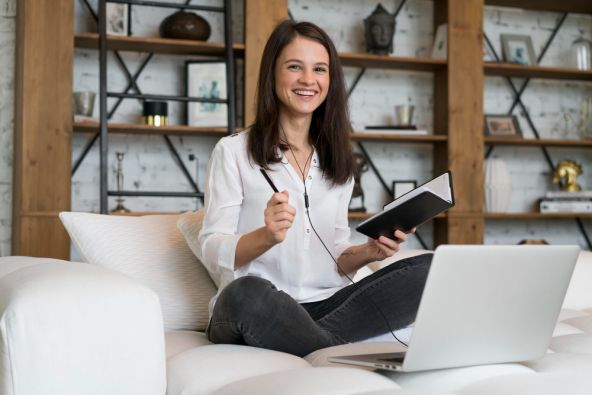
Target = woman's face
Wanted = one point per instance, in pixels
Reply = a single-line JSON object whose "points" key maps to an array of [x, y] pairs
{"points": [[302, 77]]}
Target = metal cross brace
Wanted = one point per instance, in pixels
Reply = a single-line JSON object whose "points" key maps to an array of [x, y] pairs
{"points": [[132, 83], [518, 93]]}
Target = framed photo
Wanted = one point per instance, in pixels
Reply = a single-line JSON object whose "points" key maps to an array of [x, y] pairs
{"points": [[518, 49], [440, 47], [402, 187], [502, 126], [117, 19], [206, 79]]}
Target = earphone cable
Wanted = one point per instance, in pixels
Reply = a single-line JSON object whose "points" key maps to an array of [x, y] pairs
{"points": [[306, 203]]}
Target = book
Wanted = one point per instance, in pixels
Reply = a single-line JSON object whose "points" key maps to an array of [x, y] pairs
{"points": [[411, 209], [563, 206], [568, 195]]}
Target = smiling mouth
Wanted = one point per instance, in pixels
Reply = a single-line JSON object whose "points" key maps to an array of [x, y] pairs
{"points": [[304, 92]]}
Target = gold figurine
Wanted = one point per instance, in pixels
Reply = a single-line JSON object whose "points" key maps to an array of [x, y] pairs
{"points": [[566, 173]]}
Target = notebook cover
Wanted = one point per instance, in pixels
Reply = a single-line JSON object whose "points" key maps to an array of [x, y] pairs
{"points": [[414, 212]]}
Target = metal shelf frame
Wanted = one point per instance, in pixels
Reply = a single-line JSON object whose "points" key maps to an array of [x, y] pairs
{"points": [[105, 114], [518, 101]]}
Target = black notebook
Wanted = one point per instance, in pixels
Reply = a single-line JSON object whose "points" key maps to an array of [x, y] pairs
{"points": [[411, 209]]}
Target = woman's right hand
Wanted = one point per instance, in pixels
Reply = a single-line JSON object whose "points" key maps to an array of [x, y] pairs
{"points": [[279, 215]]}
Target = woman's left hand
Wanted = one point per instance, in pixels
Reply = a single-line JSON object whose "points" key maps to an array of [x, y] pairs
{"points": [[383, 247]]}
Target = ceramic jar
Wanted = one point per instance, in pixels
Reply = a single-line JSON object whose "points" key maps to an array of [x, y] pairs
{"points": [[498, 185], [186, 26]]}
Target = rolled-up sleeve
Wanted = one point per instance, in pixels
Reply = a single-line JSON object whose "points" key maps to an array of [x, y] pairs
{"points": [[223, 198], [342, 230]]}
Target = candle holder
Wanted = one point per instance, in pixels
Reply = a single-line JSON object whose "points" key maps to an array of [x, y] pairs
{"points": [[120, 208], [155, 113]]}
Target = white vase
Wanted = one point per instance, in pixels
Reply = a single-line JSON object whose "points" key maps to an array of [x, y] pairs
{"points": [[498, 185]]}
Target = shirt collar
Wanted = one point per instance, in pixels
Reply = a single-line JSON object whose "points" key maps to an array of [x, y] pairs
{"points": [[314, 159]]}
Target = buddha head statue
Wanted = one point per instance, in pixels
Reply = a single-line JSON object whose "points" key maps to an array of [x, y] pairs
{"points": [[380, 29]]}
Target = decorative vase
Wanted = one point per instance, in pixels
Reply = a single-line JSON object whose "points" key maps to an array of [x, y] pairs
{"points": [[186, 26], [581, 54], [498, 186]]}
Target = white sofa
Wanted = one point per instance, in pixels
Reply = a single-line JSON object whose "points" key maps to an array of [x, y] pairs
{"points": [[131, 322]]}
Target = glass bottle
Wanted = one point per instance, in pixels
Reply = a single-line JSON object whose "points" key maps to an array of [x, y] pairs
{"points": [[581, 54]]}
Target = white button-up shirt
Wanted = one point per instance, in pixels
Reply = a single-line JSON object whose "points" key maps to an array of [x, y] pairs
{"points": [[236, 196]]}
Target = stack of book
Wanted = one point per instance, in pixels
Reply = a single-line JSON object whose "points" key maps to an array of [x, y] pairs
{"points": [[567, 202]]}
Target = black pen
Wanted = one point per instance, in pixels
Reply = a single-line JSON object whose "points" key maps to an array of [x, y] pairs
{"points": [[271, 184]]}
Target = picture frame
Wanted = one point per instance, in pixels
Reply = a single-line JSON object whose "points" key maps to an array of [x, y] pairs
{"points": [[502, 126], [518, 49], [440, 46], [401, 187], [206, 79], [118, 19]]}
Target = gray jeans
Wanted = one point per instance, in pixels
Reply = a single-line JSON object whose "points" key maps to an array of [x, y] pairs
{"points": [[250, 310]]}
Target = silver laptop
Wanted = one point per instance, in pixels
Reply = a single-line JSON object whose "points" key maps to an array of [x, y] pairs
{"points": [[483, 305]]}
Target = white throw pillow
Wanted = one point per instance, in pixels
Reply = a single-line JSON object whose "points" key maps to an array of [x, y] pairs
{"points": [[151, 250], [190, 224]]}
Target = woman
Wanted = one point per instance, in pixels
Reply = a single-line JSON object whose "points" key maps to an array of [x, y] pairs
{"points": [[273, 258]]}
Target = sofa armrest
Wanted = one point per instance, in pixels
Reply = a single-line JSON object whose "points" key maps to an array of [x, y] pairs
{"points": [[75, 328]]}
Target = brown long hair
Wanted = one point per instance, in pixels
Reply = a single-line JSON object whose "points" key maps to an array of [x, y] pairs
{"points": [[330, 126]]}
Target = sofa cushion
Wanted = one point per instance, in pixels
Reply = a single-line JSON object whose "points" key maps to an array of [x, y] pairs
{"points": [[151, 250], [326, 381], [179, 341], [205, 369], [531, 384]]}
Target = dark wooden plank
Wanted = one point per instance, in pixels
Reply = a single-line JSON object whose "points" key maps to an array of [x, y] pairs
{"points": [[465, 117], [538, 143], [261, 17], [156, 45], [535, 215], [516, 70], [404, 138], [176, 130], [43, 127], [577, 6], [391, 62]]}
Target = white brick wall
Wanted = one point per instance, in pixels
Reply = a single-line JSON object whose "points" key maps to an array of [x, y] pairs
{"points": [[149, 166], [7, 45]]}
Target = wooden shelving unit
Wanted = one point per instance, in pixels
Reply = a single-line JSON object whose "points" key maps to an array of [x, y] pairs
{"points": [[156, 45], [538, 142], [516, 70], [536, 215], [577, 6], [43, 185]]}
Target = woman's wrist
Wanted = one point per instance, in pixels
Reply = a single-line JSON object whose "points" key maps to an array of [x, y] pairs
{"points": [[368, 253]]}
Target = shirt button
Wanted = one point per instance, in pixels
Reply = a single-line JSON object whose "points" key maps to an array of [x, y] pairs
{"points": [[310, 177], [314, 161], [307, 230]]}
